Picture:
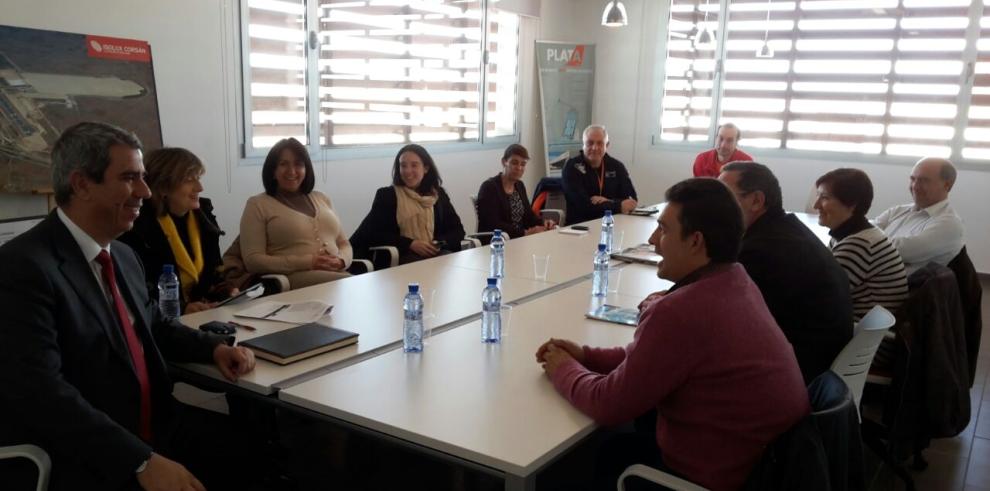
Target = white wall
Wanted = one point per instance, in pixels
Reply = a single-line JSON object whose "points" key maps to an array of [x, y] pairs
{"points": [[195, 47], [628, 99]]}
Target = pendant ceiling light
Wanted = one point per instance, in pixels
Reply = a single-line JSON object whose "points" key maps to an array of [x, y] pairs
{"points": [[614, 15], [765, 51], [705, 38]]}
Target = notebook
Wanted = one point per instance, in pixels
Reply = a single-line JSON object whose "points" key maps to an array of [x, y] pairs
{"points": [[642, 254], [299, 342], [618, 315]]}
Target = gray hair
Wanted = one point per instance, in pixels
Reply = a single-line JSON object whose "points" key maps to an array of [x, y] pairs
{"points": [[590, 128], [947, 172], [85, 147], [730, 126]]}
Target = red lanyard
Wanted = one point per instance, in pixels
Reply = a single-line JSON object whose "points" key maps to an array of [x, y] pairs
{"points": [[601, 178]]}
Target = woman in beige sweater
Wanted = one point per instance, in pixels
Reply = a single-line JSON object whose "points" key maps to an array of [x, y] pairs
{"points": [[291, 229]]}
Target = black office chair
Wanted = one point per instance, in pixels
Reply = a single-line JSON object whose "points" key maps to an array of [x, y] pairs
{"points": [[822, 452]]}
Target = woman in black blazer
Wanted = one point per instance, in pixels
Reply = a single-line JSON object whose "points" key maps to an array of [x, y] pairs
{"points": [[502, 202], [176, 226], [414, 214]]}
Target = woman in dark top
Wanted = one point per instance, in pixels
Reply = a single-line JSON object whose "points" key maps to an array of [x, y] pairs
{"points": [[414, 214], [502, 202], [176, 226]]}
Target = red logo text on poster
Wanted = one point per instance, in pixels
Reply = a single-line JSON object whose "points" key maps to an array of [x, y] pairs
{"points": [[577, 57], [574, 57], [117, 48]]}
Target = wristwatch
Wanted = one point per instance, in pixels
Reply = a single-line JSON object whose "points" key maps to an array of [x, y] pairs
{"points": [[142, 467]]}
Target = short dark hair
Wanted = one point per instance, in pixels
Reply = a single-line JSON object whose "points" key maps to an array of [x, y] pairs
{"points": [[515, 149], [271, 163], [852, 187], [709, 207], [85, 147], [754, 176], [431, 180]]}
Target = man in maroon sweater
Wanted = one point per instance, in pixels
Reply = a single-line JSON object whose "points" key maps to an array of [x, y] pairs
{"points": [[724, 381], [709, 163]]}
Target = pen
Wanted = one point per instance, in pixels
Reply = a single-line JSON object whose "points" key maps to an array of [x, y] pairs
{"points": [[276, 311], [245, 326]]}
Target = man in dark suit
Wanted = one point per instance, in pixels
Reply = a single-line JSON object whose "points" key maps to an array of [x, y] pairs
{"points": [[82, 346], [803, 285]]}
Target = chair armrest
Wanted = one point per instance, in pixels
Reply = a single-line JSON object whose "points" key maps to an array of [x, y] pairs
{"points": [[282, 280], [470, 243], [368, 265], [553, 214], [658, 477], [35, 454], [392, 251]]}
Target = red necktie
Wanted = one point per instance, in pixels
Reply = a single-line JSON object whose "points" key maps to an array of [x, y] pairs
{"points": [[133, 343]]}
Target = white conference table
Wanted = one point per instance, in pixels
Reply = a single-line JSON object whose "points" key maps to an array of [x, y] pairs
{"points": [[571, 256], [488, 404], [370, 305]]}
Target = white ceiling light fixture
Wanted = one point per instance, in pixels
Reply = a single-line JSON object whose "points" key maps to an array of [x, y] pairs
{"points": [[614, 15], [765, 51], [705, 38]]}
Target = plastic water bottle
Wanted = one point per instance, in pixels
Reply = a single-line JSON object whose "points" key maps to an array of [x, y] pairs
{"points": [[497, 268], [599, 281], [168, 293], [412, 325], [491, 312], [608, 225]]}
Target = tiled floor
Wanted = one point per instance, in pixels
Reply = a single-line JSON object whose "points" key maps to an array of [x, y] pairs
{"points": [[961, 463]]}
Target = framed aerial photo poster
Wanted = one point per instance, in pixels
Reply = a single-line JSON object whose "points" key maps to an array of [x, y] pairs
{"points": [[51, 80]]}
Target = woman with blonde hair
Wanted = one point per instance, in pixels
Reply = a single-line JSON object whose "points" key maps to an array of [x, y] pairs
{"points": [[177, 226]]}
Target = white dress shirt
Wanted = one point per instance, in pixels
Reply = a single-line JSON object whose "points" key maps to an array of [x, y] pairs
{"points": [[90, 249], [933, 234]]}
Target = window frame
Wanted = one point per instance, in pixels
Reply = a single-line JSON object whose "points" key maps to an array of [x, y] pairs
{"points": [[968, 56], [256, 156]]}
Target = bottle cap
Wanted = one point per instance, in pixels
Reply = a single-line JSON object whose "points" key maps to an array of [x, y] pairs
{"points": [[497, 232], [492, 281], [608, 212], [601, 247], [168, 269], [414, 288]]}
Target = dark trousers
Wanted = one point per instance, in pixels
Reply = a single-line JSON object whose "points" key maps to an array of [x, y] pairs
{"points": [[205, 442], [621, 450]]}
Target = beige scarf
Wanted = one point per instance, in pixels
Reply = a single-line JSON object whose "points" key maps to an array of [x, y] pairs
{"points": [[414, 214]]}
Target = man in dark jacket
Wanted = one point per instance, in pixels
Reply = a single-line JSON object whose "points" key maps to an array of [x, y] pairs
{"points": [[83, 347], [595, 182], [804, 287]]}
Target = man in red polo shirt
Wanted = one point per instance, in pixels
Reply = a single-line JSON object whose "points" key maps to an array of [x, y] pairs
{"points": [[709, 164]]}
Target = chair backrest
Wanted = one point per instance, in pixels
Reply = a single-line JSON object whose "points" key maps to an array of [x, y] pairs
{"points": [[971, 297], [853, 362], [836, 417]]}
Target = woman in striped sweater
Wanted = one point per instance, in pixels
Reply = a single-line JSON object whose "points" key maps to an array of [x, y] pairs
{"points": [[875, 270]]}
